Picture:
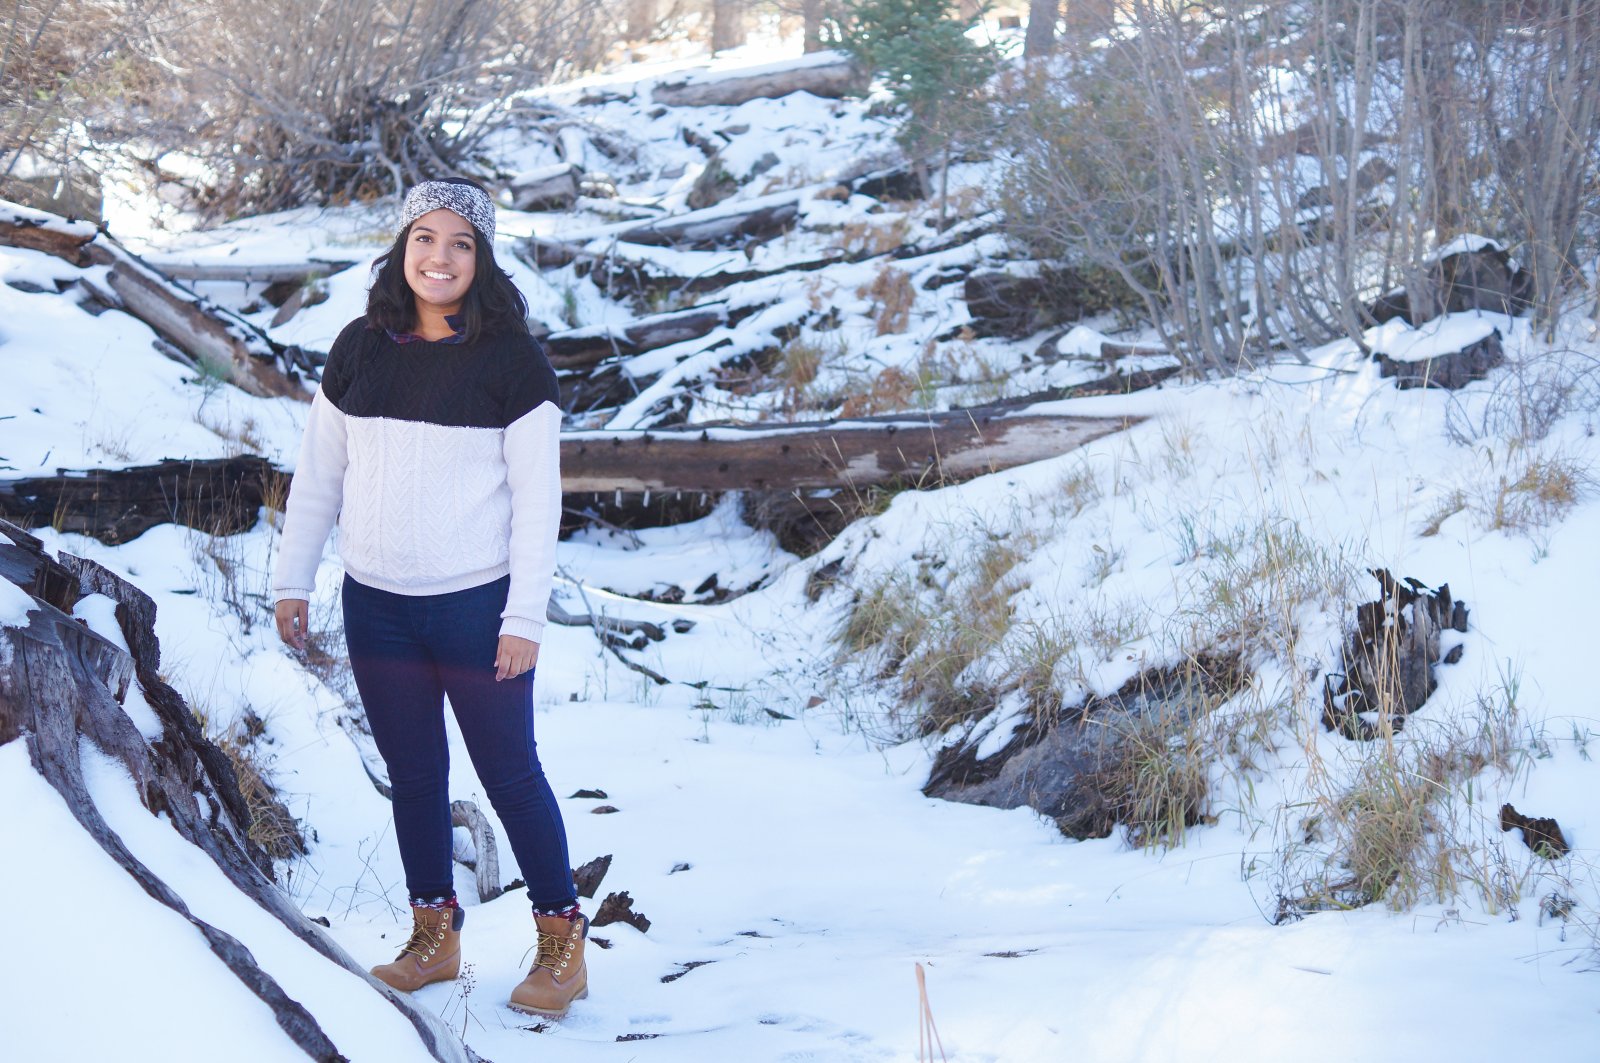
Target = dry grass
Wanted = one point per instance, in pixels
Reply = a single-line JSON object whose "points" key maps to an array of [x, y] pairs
{"points": [[1409, 825], [870, 237], [1520, 491], [893, 297], [937, 639], [1165, 737]]}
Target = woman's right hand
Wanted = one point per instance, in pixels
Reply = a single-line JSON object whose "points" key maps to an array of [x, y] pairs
{"points": [[291, 614]]}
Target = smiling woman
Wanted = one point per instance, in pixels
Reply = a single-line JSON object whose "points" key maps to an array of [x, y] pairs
{"points": [[433, 442]]}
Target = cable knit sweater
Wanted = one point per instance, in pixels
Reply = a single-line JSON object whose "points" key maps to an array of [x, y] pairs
{"points": [[441, 464]]}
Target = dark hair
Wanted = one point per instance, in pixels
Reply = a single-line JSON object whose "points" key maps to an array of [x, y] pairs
{"points": [[492, 303]]}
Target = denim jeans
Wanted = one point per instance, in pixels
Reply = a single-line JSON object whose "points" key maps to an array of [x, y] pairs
{"points": [[408, 652]]}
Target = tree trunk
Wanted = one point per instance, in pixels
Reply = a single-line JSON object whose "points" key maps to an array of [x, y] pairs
{"points": [[1041, 38], [641, 22], [727, 24], [812, 13]]}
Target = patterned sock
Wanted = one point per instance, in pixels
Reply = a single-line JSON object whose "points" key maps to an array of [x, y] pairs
{"points": [[438, 904], [570, 913]]}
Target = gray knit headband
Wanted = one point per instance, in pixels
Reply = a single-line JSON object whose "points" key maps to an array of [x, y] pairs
{"points": [[471, 203]]}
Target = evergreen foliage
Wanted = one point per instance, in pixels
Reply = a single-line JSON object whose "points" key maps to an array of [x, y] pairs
{"points": [[934, 70]]}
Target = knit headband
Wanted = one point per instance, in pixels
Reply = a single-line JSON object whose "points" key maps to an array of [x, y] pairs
{"points": [[469, 201]]}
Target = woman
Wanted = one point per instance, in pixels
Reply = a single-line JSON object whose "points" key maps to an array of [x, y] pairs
{"points": [[433, 442]]}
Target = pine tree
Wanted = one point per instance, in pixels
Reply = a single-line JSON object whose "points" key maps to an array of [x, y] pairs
{"points": [[933, 69]]}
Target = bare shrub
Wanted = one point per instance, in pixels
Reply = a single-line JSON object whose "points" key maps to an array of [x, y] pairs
{"points": [[1529, 397], [60, 63], [1257, 173], [334, 100]]}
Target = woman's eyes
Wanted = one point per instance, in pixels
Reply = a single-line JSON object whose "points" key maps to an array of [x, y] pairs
{"points": [[460, 245]]}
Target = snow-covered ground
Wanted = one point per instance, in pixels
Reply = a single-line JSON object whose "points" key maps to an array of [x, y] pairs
{"points": [[770, 822]]}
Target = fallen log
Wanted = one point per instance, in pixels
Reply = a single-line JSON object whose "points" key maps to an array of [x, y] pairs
{"points": [[548, 188], [247, 273], [62, 685], [207, 335], [750, 219], [583, 347], [220, 496], [827, 74], [38, 231], [930, 449]]}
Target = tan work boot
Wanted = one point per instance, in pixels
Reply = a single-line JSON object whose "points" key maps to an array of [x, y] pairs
{"points": [[433, 954], [558, 975]]}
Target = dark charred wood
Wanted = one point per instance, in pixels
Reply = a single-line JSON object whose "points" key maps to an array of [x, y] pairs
{"points": [[587, 878], [1540, 834], [900, 184], [1389, 658], [618, 908], [1452, 370], [220, 496]]}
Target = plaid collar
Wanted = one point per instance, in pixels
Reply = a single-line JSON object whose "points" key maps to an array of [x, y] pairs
{"points": [[458, 322]]}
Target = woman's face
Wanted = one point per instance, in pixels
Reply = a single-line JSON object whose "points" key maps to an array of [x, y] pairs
{"points": [[440, 260]]}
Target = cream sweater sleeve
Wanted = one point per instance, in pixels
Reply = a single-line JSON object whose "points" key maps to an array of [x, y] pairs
{"points": [[314, 500], [533, 472]]}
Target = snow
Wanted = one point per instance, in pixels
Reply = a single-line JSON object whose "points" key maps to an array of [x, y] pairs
{"points": [[1448, 334], [15, 605], [787, 777]]}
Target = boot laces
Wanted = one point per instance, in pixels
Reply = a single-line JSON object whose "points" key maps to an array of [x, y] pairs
{"points": [[422, 941], [550, 948]]}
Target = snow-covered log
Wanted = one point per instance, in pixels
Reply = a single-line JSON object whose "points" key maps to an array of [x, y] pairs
{"points": [[547, 188], [932, 448], [37, 230], [584, 347], [750, 219], [248, 272], [207, 335], [62, 688], [826, 74]]}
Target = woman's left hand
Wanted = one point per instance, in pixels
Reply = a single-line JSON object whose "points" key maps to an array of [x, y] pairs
{"points": [[514, 657]]}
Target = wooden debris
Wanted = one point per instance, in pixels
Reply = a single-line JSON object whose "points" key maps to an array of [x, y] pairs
{"points": [[286, 273], [487, 865], [751, 219], [38, 231], [585, 347], [206, 334], [549, 188], [1389, 657], [932, 448], [219, 496], [1539, 833], [831, 75], [1452, 370], [618, 908], [587, 878]]}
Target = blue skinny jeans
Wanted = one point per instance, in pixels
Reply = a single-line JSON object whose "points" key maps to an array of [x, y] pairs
{"points": [[408, 653]]}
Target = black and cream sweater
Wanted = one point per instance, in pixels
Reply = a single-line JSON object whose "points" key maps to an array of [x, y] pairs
{"points": [[441, 464]]}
